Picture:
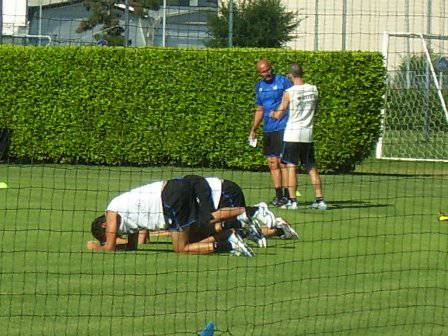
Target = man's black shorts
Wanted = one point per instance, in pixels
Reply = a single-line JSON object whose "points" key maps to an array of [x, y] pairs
{"points": [[231, 195], [202, 192], [273, 143], [299, 152], [180, 206]]}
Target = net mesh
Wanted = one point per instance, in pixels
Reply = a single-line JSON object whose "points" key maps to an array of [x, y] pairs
{"points": [[415, 118]]}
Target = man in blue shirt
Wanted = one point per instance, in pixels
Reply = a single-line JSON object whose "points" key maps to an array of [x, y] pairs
{"points": [[269, 93]]}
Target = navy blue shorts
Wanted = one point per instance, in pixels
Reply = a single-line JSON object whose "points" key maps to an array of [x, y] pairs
{"points": [[299, 153], [273, 143], [231, 195], [179, 205]]}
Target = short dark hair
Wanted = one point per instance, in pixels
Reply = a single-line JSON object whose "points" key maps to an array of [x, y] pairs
{"points": [[296, 70], [98, 230]]}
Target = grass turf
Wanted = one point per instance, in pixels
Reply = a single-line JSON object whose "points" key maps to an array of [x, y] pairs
{"points": [[373, 264]]}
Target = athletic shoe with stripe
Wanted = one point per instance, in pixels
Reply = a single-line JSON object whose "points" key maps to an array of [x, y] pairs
{"points": [[288, 230], [291, 205], [319, 205], [254, 233], [239, 247]]}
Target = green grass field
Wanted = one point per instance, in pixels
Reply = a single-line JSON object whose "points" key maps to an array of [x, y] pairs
{"points": [[413, 144], [374, 264]]}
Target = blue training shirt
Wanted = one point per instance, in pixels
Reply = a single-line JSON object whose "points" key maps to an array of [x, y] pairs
{"points": [[269, 95]]}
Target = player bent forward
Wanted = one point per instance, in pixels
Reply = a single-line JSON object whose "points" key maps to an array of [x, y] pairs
{"points": [[164, 205]]}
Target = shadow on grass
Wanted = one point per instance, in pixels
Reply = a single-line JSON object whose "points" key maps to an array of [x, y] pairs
{"points": [[154, 250], [408, 175], [349, 204]]}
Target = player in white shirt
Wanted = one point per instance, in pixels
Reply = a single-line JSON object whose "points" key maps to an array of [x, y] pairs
{"points": [[169, 205], [301, 99]]}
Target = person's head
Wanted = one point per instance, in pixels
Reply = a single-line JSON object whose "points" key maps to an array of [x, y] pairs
{"points": [[264, 69], [98, 229], [295, 71]]}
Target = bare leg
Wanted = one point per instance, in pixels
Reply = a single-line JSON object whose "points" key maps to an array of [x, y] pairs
{"points": [[283, 167], [276, 172], [181, 243], [160, 233], [291, 180], [316, 181], [143, 237], [268, 232], [226, 213]]}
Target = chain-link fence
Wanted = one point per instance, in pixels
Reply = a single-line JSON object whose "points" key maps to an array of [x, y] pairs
{"points": [[325, 24]]}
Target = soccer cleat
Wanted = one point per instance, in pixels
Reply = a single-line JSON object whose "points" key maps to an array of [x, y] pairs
{"points": [[278, 202], [263, 216], [319, 205], [291, 205], [288, 231], [254, 233], [239, 247]]}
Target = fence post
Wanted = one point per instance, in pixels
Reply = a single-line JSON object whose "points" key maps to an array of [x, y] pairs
{"points": [[1, 21], [164, 24], [316, 25], [408, 46], [230, 35], [344, 24], [126, 23], [39, 31]]}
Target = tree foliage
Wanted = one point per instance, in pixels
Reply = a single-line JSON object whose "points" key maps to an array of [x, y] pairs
{"points": [[106, 12], [256, 23]]}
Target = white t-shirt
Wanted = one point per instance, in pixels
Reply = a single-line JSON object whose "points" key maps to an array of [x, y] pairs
{"points": [[215, 184], [140, 208], [302, 104]]}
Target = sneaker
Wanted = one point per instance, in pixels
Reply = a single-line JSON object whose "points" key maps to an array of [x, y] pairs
{"points": [[319, 205], [254, 233], [290, 205], [278, 202], [288, 231], [263, 216], [239, 247]]}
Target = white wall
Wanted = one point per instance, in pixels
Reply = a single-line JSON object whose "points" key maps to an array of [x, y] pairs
{"points": [[14, 16]]}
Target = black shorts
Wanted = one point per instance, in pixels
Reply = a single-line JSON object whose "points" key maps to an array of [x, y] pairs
{"points": [[231, 195], [180, 207], [273, 143], [299, 152], [202, 192]]}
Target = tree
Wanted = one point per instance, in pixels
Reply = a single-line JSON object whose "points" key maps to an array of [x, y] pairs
{"points": [[256, 23], [106, 13]]}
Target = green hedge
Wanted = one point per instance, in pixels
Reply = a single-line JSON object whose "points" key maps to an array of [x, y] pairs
{"points": [[153, 106]]}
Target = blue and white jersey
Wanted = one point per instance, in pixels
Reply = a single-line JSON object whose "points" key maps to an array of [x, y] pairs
{"points": [[269, 95]]}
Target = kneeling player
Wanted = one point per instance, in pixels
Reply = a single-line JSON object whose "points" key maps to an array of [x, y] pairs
{"points": [[254, 222], [158, 206]]}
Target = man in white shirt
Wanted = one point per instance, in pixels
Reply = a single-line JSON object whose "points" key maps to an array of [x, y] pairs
{"points": [[301, 99]]}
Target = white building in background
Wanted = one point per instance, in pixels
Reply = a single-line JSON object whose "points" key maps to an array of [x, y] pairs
{"points": [[14, 17], [360, 24]]}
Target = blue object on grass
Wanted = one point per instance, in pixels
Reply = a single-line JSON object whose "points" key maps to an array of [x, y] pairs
{"points": [[209, 330]]}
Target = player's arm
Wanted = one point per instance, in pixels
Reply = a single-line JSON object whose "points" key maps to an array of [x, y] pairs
{"points": [[282, 107], [111, 234], [132, 242], [258, 117]]}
